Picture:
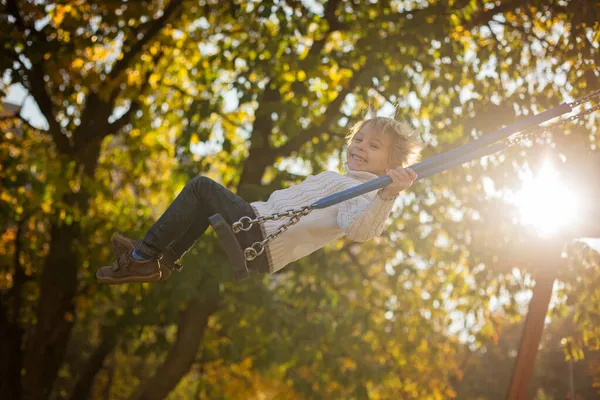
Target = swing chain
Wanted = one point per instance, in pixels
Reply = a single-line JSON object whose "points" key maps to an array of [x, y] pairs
{"points": [[257, 248], [239, 225], [528, 134], [532, 132], [580, 114], [584, 99]]}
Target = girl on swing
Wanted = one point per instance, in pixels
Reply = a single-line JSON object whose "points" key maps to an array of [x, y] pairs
{"points": [[376, 147]]}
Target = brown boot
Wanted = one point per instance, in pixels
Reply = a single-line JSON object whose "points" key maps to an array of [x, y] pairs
{"points": [[127, 269], [122, 244]]}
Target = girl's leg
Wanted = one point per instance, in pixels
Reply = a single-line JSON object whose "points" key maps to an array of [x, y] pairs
{"points": [[186, 219], [217, 199], [179, 227]]}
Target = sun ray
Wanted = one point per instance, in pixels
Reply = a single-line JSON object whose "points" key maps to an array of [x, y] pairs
{"points": [[545, 202]]}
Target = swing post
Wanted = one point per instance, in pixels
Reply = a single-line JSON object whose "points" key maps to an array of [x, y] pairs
{"points": [[547, 270]]}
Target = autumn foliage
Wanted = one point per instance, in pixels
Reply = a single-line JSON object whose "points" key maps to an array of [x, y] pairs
{"points": [[133, 98]]}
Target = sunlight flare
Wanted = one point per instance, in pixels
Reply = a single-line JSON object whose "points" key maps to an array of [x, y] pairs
{"points": [[545, 202]]}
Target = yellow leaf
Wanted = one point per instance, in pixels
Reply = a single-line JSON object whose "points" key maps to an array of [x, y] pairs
{"points": [[133, 78], [288, 77], [77, 63], [153, 80], [46, 207]]}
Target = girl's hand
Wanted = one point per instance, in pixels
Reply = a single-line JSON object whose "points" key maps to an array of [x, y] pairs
{"points": [[402, 178]]}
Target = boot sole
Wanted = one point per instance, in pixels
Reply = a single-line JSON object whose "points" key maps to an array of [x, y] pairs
{"points": [[130, 279]]}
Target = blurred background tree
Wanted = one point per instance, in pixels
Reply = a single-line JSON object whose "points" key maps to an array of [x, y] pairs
{"points": [[133, 98]]}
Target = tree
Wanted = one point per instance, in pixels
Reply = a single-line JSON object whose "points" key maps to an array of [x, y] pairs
{"points": [[120, 82], [84, 99]]}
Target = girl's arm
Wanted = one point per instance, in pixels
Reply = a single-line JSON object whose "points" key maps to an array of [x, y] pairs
{"points": [[362, 219]]}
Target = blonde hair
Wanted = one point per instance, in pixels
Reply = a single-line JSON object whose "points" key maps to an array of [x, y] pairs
{"points": [[406, 144]]}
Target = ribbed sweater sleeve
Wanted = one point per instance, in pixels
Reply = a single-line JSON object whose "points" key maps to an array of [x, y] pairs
{"points": [[362, 219]]}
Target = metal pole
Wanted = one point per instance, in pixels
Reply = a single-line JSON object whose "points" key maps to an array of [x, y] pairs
{"points": [[461, 160], [534, 322], [571, 380]]}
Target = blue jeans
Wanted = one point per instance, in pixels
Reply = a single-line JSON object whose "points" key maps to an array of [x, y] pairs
{"points": [[186, 219]]}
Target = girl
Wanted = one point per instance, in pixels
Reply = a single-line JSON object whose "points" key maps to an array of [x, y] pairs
{"points": [[376, 147]]}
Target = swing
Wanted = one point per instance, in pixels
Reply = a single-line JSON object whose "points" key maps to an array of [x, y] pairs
{"points": [[485, 145]]}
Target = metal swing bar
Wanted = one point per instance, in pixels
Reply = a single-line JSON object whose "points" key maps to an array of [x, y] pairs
{"points": [[486, 145], [486, 151]]}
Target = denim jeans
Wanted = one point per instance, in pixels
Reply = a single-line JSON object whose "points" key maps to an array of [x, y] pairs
{"points": [[186, 219]]}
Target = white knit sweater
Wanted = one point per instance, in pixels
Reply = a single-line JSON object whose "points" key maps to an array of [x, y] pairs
{"points": [[360, 218]]}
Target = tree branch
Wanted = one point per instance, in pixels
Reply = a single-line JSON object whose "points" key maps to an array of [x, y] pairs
{"points": [[333, 25], [13, 9], [154, 28], [125, 119], [231, 122], [330, 9], [37, 87], [179, 89], [135, 105], [192, 325]]}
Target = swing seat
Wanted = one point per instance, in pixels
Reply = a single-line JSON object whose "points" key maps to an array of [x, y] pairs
{"points": [[231, 246]]}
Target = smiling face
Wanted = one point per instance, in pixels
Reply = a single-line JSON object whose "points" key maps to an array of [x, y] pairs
{"points": [[369, 151]]}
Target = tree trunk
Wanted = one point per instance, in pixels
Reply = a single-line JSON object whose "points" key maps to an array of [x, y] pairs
{"points": [[111, 374], [86, 379], [260, 155], [249, 187], [58, 284], [10, 357], [11, 334], [55, 313], [192, 324]]}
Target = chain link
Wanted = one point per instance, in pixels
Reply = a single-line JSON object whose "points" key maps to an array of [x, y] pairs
{"points": [[239, 225], [584, 99], [531, 133], [257, 248], [580, 114], [534, 132]]}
